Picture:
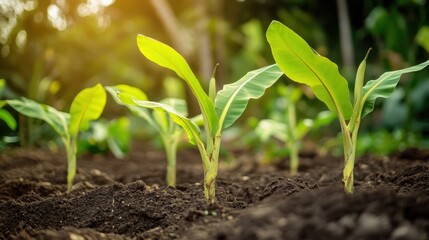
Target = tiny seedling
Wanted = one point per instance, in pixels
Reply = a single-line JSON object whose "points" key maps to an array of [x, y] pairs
{"points": [[219, 109], [283, 124], [170, 132], [86, 106], [302, 64]]}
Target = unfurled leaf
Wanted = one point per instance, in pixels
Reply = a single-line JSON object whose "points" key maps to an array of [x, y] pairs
{"points": [[86, 106], [190, 128], [56, 119], [177, 104], [119, 137], [232, 100], [268, 128], [302, 64], [8, 119], [167, 57], [128, 93], [135, 92], [164, 120], [384, 86]]}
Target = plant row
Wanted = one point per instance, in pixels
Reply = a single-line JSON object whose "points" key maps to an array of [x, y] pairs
{"points": [[220, 109]]}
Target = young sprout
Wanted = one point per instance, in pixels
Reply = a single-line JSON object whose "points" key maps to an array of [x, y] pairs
{"points": [[219, 109], [170, 132], [302, 64], [283, 124], [86, 106]]}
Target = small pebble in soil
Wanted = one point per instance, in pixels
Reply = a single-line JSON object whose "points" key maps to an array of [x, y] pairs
{"points": [[335, 229], [75, 237], [348, 221], [406, 232], [245, 178], [372, 225]]}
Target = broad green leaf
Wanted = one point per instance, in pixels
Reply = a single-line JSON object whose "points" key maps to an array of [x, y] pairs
{"points": [[135, 92], [268, 128], [323, 118], [302, 64], [232, 100], [128, 93], [56, 119], [119, 137], [384, 86], [167, 57], [303, 127], [86, 106], [198, 120], [177, 104], [162, 117], [190, 128], [8, 119]]}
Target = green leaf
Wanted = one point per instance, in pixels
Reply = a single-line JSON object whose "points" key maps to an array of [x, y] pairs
{"points": [[162, 118], [268, 128], [322, 119], [86, 106], [119, 137], [128, 94], [8, 119], [190, 128], [232, 100], [384, 86], [135, 92], [167, 57], [177, 104], [56, 119], [302, 64], [422, 37]]}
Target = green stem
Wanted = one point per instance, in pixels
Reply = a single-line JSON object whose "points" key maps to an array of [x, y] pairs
{"points": [[71, 164], [170, 146], [294, 159], [293, 142], [350, 155], [210, 173]]}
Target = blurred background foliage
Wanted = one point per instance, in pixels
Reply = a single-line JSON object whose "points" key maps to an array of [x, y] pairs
{"points": [[51, 49]]}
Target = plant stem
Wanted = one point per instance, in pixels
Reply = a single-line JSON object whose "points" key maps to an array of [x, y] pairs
{"points": [[293, 142], [210, 173], [170, 146], [350, 145], [294, 159], [71, 164]]}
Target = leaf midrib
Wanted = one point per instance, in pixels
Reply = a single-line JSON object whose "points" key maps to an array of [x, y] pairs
{"points": [[315, 73]]}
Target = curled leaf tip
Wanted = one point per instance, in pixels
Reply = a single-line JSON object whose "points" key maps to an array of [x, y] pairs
{"points": [[367, 53]]}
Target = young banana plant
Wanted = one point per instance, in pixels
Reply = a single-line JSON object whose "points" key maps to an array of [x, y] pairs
{"points": [[285, 127], [302, 64], [219, 109], [86, 106], [170, 132]]}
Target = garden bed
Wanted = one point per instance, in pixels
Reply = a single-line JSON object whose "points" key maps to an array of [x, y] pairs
{"points": [[128, 199]]}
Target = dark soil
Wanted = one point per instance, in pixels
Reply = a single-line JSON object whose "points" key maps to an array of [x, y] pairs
{"points": [[128, 199]]}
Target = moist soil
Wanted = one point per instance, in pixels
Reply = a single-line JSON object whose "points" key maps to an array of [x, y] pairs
{"points": [[128, 199]]}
